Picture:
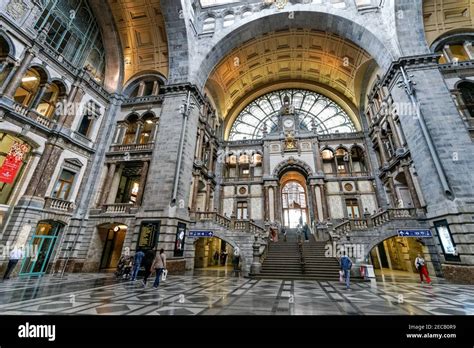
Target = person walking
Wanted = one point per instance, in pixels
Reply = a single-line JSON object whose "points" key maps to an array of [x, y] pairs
{"points": [[137, 262], [346, 265], [216, 258], [147, 263], [159, 264], [421, 267], [236, 259], [15, 256]]}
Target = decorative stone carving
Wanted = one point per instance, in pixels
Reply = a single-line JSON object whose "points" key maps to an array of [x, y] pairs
{"points": [[16, 9]]}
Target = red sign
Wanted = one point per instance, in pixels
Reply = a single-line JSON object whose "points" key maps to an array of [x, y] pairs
{"points": [[13, 162]]}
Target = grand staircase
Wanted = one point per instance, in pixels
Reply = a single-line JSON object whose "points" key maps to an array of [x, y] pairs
{"points": [[305, 261]]}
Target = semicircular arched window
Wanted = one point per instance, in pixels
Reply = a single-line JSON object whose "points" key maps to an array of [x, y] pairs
{"points": [[311, 108]]}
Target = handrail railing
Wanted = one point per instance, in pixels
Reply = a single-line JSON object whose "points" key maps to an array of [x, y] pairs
{"points": [[376, 220], [58, 204], [117, 208], [131, 147], [230, 223]]}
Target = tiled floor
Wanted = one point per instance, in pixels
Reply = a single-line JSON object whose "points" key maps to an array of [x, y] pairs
{"points": [[219, 293]]}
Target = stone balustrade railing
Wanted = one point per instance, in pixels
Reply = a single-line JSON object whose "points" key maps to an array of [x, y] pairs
{"points": [[143, 100], [117, 208], [243, 179], [238, 225], [33, 115], [214, 217], [375, 220], [131, 147], [59, 205]]}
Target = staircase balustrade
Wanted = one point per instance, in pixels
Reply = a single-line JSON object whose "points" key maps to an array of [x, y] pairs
{"points": [[376, 220], [238, 225]]}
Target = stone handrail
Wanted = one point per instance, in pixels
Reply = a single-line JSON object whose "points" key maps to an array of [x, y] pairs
{"points": [[215, 217], [58, 204], [145, 99], [248, 179], [131, 147], [239, 225], [32, 114], [376, 220], [117, 208], [44, 121], [255, 228]]}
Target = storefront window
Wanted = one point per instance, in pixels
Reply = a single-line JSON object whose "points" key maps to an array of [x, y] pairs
{"points": [[13, 157]]}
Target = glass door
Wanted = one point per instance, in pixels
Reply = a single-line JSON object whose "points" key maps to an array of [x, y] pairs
{"points": [[40, 249]]}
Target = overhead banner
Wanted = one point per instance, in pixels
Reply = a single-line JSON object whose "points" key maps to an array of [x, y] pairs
{"points": [[12, 163]]}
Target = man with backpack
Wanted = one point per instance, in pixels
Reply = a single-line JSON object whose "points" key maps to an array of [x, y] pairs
{"points": [[346, 265]]}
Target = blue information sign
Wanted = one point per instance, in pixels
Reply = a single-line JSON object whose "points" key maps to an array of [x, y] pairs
{"points": [[415, 233], [207, 234]]}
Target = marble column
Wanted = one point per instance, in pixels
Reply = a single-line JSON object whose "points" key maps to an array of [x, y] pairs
{"points": [[18, 75], [381, 147], [7, 64], [143, 177], [39, 95], [195, 191], [396, 138], [411, 186], [211, 158], [314, 204], [108, 183], [208, 196], [200, 144], [137, 134], [393, 192], [324, 202], [265, 204], [44, 171]]}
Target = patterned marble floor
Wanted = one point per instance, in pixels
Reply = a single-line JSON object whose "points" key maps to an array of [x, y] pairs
{"points": [[217, 293]]}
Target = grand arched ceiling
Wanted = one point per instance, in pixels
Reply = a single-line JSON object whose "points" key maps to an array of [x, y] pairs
{"points": [[444, 16], [143, 35], [296, 55]]}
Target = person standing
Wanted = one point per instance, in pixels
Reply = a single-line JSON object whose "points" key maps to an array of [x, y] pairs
{"points": [[216, 258], [421, 267], [236, 259], [15, 256], [346, 265], [137, 263], [147, 263], [159, 264], [224, 257]]}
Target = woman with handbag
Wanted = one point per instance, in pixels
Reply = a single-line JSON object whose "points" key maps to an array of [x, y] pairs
{"points": [[159, 264]]}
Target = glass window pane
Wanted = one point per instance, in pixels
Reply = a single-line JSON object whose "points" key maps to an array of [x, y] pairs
{"points": [[310, 107]]}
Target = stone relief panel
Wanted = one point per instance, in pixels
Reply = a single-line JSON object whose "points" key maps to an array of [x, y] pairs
{"points": [[335, 207]]}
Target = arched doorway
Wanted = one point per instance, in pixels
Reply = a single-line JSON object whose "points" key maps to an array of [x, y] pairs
{"points": [[40, 248], [294, 199], [112, 237], [396, 256], [213, 253]]}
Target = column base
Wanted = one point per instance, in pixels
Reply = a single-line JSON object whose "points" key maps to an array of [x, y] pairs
{"points": [[460, 274]]}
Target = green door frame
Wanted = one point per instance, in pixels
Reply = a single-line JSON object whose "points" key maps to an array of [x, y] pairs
{"points": [[26, 262]]}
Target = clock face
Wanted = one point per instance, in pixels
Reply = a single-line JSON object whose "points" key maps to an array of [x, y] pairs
{"points": [[288, 123]]}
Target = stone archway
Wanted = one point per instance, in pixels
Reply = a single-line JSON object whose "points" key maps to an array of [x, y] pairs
{"points": [[114, 70], [383, 50], [292, 164]]}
